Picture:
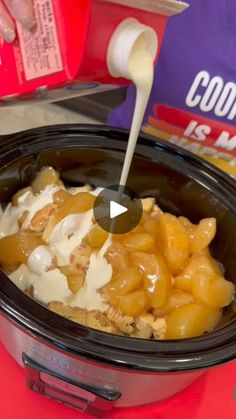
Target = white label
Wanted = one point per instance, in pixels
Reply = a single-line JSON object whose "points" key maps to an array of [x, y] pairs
{"points": [[40, 49]]}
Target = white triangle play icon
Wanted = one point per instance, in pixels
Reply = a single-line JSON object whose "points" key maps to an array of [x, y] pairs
{"points": [[116, 209]]}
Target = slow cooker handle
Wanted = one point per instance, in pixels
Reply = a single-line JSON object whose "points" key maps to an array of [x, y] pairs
{"points": [[92, 401]]}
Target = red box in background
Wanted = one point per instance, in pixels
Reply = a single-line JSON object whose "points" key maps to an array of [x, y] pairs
{"points": [[213, 396], [66, 54]]}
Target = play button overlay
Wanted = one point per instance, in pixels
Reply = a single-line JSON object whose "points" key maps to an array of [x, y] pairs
{"points": [[118, 209]]}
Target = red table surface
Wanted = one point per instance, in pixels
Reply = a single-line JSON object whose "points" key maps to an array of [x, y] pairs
{"points": [[212, 396]]}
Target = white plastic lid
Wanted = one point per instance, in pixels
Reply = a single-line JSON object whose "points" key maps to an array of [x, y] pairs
{"points": [[122, 42]]}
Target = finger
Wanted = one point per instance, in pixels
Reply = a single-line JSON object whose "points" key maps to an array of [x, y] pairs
{"points": [[7, 28], [22, 11]]}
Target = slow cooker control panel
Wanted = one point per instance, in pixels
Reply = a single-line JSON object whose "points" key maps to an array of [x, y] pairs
{"points": [[93, 401]]}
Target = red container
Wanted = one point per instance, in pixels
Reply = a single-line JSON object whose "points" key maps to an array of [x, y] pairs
{"points": [[67, 51]]}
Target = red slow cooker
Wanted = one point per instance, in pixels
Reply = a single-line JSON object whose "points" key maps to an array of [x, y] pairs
{"points": [[82, 367]]}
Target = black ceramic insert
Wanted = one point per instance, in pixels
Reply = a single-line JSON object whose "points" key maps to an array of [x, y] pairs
{"points": [[182, 184]]}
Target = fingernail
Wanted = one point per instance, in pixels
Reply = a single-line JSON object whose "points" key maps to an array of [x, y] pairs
{"points": [[6, 30], [9, 35], [23, 13], [28, 23]]}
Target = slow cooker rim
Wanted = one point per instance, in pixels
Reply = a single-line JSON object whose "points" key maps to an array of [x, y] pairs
{"points": [[110, 134], [106, 348], [102, 131], [145, 141]]}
